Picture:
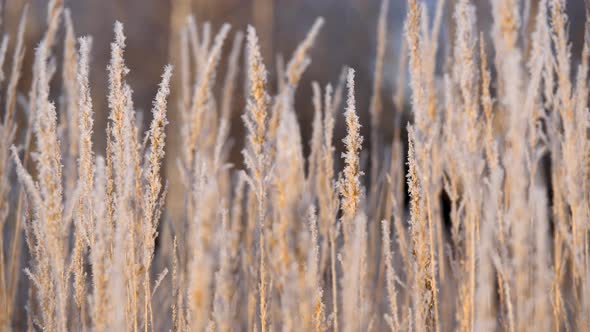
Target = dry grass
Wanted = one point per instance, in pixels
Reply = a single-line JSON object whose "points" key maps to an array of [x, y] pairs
{"points": [[293, 242]]}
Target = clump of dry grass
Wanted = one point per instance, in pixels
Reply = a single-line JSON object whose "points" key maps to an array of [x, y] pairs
{"points": [[296, 242]]}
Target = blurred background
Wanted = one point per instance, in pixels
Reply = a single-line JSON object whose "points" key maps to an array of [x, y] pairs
{"points": [[152, 29]]}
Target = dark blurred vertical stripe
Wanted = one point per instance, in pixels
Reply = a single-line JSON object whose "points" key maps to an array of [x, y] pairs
{"points": [[263, 18]]}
